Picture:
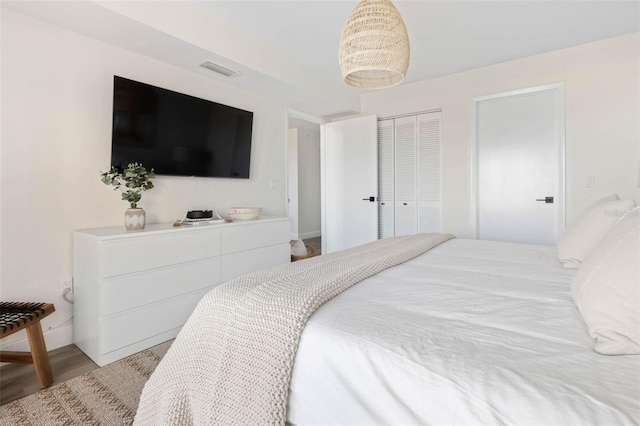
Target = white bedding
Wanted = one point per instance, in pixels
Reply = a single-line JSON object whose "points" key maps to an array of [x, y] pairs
{"points": [[472, 332]]}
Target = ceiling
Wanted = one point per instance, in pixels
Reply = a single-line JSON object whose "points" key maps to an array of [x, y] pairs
{"points": [[287, 50]]}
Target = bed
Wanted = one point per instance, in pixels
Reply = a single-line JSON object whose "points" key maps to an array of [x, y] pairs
{"points": [[470, 332]]}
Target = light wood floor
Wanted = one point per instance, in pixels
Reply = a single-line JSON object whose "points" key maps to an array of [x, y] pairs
{"points": [[316, 243], [19, 380]]}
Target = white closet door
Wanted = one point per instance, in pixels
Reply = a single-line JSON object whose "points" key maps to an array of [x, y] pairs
{"points": [[385, 179], [429, 172], [405, 176], [520, 176]]}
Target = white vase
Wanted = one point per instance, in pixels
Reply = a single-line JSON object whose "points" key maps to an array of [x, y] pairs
{"points": [[134, 219]]}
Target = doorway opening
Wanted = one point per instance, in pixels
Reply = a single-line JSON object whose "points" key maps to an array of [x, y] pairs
{"points": [[303, 179]]}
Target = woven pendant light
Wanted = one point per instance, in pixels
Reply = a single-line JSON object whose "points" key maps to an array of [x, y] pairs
{"points": [[374, 46]]}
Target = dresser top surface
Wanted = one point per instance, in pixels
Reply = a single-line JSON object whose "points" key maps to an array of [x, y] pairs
{"points": [[161, 228]]}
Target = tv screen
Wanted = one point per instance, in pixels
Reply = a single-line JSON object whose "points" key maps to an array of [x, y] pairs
{"points": [[177, 134]]}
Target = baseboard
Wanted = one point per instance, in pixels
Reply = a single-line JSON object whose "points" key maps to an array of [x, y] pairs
{"points": [[294, 237], [312, 234], [54, 339]]}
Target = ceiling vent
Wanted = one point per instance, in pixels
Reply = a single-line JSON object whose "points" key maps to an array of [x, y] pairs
{"points": [[220, 69]]}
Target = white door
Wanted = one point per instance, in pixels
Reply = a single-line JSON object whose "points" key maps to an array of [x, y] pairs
{"points": [[386, 197], [292, 198], [520, 166], [406, 176], [409, 174], [429, 204], [349, 183]]}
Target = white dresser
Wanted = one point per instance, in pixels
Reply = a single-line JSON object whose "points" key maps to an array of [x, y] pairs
{"points": [[135, 289]]}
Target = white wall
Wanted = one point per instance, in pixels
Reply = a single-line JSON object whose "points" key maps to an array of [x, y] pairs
{"points": [[602, 104], [308, 183], [56, 137]]}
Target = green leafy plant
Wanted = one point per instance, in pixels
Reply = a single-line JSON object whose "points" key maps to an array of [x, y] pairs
{"points": [[132, 181]]}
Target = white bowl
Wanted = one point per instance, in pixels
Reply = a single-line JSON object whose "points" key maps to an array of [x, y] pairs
{"points": [[244, 213]]}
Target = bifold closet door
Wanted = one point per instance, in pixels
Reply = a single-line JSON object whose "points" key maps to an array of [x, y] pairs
{"points": [[429, 200], [405, 174], [409, 170], [385, 179]]}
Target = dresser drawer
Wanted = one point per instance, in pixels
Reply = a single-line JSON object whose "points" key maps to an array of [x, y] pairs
{"points": [[122, 256], [239, 238], [237, 264], [125, 329], [130, 291]]}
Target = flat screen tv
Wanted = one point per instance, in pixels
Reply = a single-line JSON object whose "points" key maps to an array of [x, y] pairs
{"points": [[177, 134]]}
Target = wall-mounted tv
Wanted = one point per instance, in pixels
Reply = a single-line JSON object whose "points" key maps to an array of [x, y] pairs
{"points": [[177, 134]]}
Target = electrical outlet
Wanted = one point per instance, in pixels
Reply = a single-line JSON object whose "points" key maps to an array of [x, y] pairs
{"points": [[66, 283]]}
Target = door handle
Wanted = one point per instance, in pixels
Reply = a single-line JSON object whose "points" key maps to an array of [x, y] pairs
{"points": [[547, 200], [370, 199]]}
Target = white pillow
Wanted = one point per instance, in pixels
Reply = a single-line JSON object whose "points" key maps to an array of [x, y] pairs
{"points": [[587, 230], [607, 289]]}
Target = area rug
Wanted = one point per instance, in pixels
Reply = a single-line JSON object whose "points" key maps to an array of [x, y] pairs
{"points": [[105, 396]]}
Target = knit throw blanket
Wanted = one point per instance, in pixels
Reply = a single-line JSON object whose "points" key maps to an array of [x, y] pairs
{"points": [[232, 361]]}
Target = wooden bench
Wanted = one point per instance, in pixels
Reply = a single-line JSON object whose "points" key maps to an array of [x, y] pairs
{"points": [[16, 316]]}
